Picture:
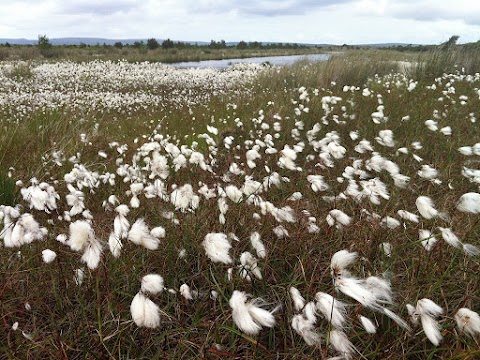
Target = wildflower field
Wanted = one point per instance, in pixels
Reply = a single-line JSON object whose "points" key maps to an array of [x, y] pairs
{"points": [[327, 210]]}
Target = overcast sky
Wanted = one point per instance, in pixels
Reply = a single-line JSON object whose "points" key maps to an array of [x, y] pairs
{"points": [[302, 21]]}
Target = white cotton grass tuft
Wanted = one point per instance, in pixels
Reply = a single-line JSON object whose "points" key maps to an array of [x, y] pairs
{"points": [[140, 235], [48, 256], [466, 150], [432, 329], [92, 254], [152, 284], [428, 312], [247, 315], [115, 244], [216, 247], [81, 233], [389, 222], [145, 312], [186, 292], [427, 239], [249, 265], [297, 298], [381, 288], [406, 215], [82, 238], [158, 232], [339, 341], [306, 329], [79, 276], [468, 322], [258, 245], [386, 247], [426, 208], [449, 237], [471, 250], [397, 319], [367, 324], [317, 183], [341, 260], [310, 312], [338, 218], [469, 203], [332, 309], [357, 290]]}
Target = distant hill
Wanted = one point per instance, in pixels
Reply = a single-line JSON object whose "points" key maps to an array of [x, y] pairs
{"points": [[101, 41]]}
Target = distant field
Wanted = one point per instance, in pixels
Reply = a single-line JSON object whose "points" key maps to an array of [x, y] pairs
{"points": [[310, 211]]}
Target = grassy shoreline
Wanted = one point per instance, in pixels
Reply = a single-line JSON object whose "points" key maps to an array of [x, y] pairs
{"points": [[130, 54]]}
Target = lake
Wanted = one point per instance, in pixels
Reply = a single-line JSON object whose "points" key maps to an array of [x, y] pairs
{"points": [[273, 60]]}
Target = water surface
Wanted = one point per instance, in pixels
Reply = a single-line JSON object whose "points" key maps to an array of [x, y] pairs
{"points": [[273, 60]]}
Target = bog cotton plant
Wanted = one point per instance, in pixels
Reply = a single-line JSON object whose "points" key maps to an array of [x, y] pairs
{"points": [[469, 203], [248, 315], [217, 248], [82, 238], [468, 322], [145, 313], [428, 311]]}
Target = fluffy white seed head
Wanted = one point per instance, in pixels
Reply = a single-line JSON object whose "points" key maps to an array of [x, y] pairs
{"points": [[186, 292], [48, 256], [431, 327], [449, 237], [92, 254], [427, 239], [115, 244], [145, 312], [140, 235], [341, 260], [468, 321], [306, 330], [425, 207], [297, 298], [216, 247], [258, 245], [367, 324], [81, 233], [248, 315], [339, 341], [332, 309], [152, 284], [469, 202]]}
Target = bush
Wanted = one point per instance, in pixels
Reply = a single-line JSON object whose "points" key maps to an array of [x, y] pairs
{"points": [[153, 44], [167, 44]]}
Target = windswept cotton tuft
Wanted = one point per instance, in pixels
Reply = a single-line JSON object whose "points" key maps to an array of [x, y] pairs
{"points": [[426, 208], [152, 284], [469, 202], [468, 321], [145, 312], [216, 247], [428, 312], [140, 235], [247, 315]]}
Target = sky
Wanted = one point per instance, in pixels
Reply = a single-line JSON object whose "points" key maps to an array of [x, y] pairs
{"points": [[300, 21]]}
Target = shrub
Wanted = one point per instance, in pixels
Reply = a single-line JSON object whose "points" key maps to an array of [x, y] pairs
{"points": [[153, 44]]}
